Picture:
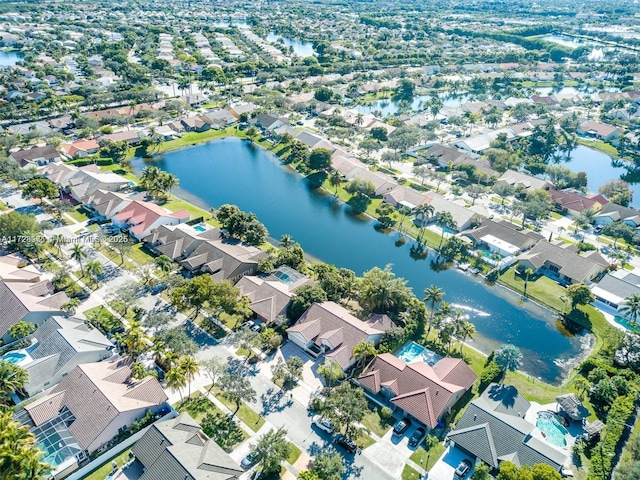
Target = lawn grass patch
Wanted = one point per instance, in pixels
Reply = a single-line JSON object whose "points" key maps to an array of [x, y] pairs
{"points": [[556, 215], [294, 453], [364, 440], [78, 215], [427, 459], [106, 468], [102, 319], [375, 423], [540, 288], [409, 473], [250, 417], [601, 146], [139, 254]]}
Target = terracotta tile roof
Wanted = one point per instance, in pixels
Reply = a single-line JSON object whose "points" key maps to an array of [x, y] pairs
{"points": [[142, 215], [420, 390]]}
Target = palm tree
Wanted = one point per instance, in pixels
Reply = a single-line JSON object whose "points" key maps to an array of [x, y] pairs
{"points": [[189, 367], [12, 379], [176, 380], [134, 340], [57, 241], [508, 357], [631, 310], [362, 351], [94, 269], [19, 456], [466, 331], [77, 254], [164, 263], [286, 241], [70, 306], [335, 179], [445, 221], [434, 295], [528, 272]]}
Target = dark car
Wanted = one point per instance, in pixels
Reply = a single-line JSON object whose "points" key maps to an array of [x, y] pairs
{"points": [[464, 467], [417, 437], [402, 425], [82, 295], [346, 443], [158, 288]]}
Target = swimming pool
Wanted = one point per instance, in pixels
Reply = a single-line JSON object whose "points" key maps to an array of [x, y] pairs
{"points": [[200, 228], [625, 323], [14, 357], [552, 430], [413, 352]]}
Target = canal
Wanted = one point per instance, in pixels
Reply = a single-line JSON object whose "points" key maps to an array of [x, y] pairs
{"points": [[235, 171]]}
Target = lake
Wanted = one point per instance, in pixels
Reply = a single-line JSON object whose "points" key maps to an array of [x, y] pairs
{"points": [[235, 171], [8, 59], [599, 169], [597, 53], [300, 48]]}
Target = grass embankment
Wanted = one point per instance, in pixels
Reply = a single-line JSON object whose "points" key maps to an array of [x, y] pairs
{"points": [[601, 146]]}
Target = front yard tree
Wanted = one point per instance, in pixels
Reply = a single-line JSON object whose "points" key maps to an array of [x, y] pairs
{"points": [[503, 190], [237, 389], [190, 368], [78, 254], [508, 358], [329, 465], [271, 450], [331, 372], [214, 367], [40, 188], [345, 406], [14, 225], [579, 294], [320, 159], [362, 351]]}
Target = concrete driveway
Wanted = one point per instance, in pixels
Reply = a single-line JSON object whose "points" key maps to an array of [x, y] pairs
{"points": [[446, 465]]}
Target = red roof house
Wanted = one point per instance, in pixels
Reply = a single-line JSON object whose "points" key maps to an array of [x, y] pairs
{"points": [[139, 218]]}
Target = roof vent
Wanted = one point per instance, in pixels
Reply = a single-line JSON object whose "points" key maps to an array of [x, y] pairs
{"points": [[437, 391], [475, 416]]}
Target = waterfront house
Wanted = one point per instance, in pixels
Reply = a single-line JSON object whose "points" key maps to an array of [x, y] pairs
{"points": [[381, 183], [601, 131], [573, 204], [269, 295], [31, 302], [463, 216], [62, 343], [90, 406], [423, 392], [561, 262], [612, 212], [140, 218], [404, 196], [267, 123], [502, 238], [615, 287], [80, 148], [131, 137], [36, 156], [493, 429], [524, 181], [331, 330], [196, 124], [177, 242], [219, 119], [178, 448]]}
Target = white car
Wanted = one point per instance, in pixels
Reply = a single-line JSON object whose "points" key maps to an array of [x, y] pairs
{"points": [[322, 423]]}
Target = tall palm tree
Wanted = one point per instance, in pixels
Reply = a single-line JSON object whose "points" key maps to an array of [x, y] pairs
{"points": [[286, 241], [445, 221], [19, 456], [163, 262], [435, 295], [134, 340], [631, 310], [362, 351], [528, 272], [335, 179], [70, 306], [190, 368], [12, 379], [77, 254], [57, 241], [466, 331], [94, 269], [176, 380]]}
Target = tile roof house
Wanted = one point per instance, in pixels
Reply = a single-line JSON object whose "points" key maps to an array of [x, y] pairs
{"points": [[176, 242], [105, 204], [81, 182], [562, 263], [612, 212], [89, 407], [62, 344], [219, 119], [463, 216], [517, 179], [615, 287], [404, 196], [31, 302], [382, 183], [574, 204], [80, 148], [269, 296], [15, 268], [140, 218], [601, 131], [446, 156], [494, 430], [36, 156], [502, 237], [177, 448], [426, 393], [196, 124], [131, 137], [330, 329]]}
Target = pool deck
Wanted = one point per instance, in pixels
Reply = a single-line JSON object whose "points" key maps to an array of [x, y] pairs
{"points": [[574, 428]]}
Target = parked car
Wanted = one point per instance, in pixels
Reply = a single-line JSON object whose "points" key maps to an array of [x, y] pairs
{"points": [[247, 461], [346, 443], [82, 295], [598, 229], [464, 467], [158, 288], [402, 425], [322, 423], [417, 437]]}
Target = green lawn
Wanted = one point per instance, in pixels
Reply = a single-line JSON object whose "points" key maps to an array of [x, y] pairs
{"points": [[409, 473], [250, 417], [364, 440], [375, 423], [556, 216], [539, 288], [106, 468], [604, 147], [427, 459], [78, 215], [294, 453], [140, 255]]}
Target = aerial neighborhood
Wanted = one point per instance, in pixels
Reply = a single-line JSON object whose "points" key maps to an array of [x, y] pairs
{"points": [[319, 240]]}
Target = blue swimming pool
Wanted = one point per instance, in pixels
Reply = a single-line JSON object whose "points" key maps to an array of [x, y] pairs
{"points": [[14, 357], [551, 428], [625, 323], [200, 228], [413, 352]]}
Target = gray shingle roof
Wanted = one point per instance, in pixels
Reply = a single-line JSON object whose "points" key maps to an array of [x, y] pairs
{"points": [[491, 429]]}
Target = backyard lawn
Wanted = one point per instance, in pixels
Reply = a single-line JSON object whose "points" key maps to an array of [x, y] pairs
{"points": [[101, 472], [540, 288]]}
